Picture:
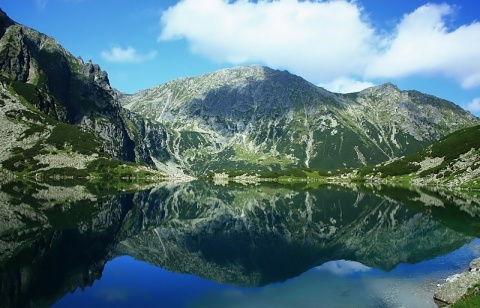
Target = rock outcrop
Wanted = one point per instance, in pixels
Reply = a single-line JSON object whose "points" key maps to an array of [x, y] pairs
{"points": [[457, 286]]}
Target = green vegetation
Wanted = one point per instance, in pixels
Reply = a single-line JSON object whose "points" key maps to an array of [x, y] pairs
{"points": [[67, 172], [450, 148], [66, 136], [395, 168], [29, 116], [23, 161], [457, 143], [28, 91], [117, 169], [472, 300]]}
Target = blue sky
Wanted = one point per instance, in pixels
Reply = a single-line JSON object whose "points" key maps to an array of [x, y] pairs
{"points": [[430, 46]]}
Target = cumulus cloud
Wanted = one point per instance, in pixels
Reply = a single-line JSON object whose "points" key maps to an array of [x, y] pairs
{"points": [[128, 55], [318, 40], [474, 105], [324, 40], [423, 44], [346, 85]]}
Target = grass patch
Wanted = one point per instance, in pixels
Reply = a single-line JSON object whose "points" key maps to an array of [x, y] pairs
{"points": [[449, 147], [33, 129], [66, 172], [117, 169], [472, 300], [28, 91]]}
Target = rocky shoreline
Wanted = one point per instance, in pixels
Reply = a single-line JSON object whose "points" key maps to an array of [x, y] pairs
{"points": [[457, 286]]}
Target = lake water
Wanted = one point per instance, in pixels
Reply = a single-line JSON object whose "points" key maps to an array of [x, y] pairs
{"points": [[202, 245]]}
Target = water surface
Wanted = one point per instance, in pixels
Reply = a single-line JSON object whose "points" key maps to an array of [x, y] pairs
{"points": [[201, 245]]}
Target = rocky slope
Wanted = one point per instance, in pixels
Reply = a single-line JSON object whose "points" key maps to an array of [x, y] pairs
{"points": [[59, 112], [44, 89], [256, 118], [452, 161]]}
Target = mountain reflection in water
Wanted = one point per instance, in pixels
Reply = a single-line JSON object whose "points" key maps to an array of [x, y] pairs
{"points": [[251, 240]]}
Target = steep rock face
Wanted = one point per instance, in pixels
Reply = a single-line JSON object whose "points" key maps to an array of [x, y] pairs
{"points": [[68, 89], [256, 118]]}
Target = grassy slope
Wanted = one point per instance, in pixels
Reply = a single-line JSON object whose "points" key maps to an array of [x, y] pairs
{"points": [[472, 299], [450, 152]]}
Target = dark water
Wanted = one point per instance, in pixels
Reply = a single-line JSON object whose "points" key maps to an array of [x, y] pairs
{"points": [[201, 245]]}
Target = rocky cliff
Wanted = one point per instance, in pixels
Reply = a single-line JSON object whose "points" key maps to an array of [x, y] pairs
{"points": [[42, 85]]}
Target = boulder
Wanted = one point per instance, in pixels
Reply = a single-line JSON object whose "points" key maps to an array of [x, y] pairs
{"points": [[457, 286], [474, 265]]}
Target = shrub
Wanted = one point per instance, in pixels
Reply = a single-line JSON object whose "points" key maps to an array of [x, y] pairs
{"points": [[64, 135]]}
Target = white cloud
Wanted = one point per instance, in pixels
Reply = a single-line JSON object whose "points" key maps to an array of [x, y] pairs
{"points": [[322, 40], [474, 105], [346, 85], [318, 40], [423, 44], [128, 55]]}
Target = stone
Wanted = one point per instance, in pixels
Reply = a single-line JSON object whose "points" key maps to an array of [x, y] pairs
{"points": [[474, 265], [455, 287]]}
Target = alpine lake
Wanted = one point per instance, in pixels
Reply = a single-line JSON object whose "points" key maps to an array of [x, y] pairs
{"points": [[197, 244]]}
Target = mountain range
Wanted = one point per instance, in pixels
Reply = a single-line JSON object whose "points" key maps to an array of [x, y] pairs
{"points": [[59, 114], [257, 118]]}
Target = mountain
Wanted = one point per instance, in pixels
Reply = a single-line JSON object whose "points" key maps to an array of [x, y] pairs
{"points": [[58, 112], [256, 119], [60, 115], [452, 161]]}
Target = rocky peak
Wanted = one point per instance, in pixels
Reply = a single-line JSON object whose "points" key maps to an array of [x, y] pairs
{"points": [[96, 75], [5, 22], [243, 75], [383, 89]]}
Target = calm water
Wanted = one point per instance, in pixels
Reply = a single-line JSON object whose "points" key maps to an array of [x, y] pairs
{"points": [[201, 245]]}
